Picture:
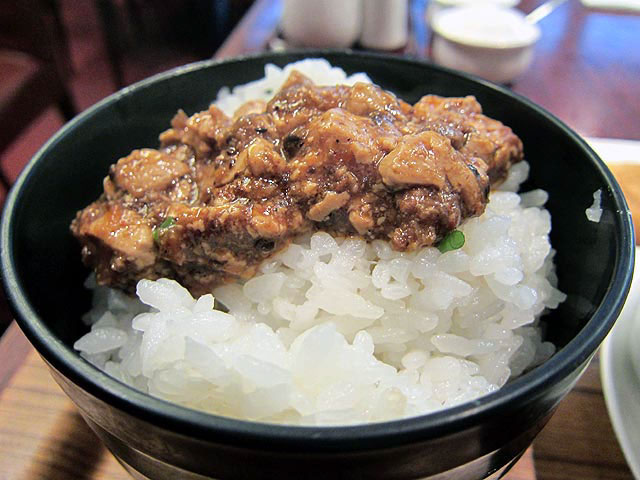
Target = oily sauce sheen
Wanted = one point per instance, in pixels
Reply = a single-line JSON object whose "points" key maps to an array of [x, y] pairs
{"points": [[222, 194]]}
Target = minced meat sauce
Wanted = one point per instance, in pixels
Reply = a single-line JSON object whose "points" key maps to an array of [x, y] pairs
{"points": [[222, 194]]}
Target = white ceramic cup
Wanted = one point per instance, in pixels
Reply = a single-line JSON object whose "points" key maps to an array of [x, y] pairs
{"points": [[436, 6], [321, 23], [385, 24], [491, 42]]}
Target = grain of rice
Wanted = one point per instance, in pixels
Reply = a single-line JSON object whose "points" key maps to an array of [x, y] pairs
{"points": [[594, 212]]}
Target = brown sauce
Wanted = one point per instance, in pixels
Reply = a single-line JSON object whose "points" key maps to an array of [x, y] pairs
{"points": [[222, 193]]}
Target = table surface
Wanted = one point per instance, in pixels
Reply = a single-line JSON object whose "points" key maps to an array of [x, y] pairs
{"points": [[586, 71]]}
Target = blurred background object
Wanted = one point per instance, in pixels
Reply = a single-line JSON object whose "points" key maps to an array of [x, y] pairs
{"points": [[493, 42], [196, 26], [321, 23], [543, 10], [629, 5], [436, 6], [35, 65], [385, 24]]}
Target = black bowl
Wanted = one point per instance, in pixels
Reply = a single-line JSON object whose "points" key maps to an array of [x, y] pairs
{"points": [[43, 277]]}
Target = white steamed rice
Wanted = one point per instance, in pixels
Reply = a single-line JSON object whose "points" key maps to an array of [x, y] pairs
{"points": [[341, 331], [594, 212]]}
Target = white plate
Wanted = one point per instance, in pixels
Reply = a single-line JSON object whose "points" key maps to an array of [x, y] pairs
{"points": [[615, 150], [620, 382]]}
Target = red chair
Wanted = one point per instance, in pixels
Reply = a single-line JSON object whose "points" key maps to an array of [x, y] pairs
{"points": [[34, 64]]}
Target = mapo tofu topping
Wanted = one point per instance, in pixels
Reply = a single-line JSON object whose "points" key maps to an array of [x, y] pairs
{"points": [[221, 194]]}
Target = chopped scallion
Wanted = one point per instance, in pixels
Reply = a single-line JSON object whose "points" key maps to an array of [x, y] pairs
{"points": [[167, 223], [453, 241]]}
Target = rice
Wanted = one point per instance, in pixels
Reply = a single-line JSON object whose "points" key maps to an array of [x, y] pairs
{"points": [[340, 331], [594, 212], [317, 69]]}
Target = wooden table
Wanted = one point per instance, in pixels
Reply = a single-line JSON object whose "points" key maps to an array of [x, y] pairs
{"points": [[586, 71]]}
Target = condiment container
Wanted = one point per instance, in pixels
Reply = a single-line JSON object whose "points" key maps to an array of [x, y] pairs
{"points": [[436, 6], [321, 23], [491, 42], [385, 24]]}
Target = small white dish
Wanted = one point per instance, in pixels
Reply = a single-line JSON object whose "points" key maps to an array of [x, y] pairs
{"points": [[436, 6], [489, 41], [616, 150], [620, 380]]}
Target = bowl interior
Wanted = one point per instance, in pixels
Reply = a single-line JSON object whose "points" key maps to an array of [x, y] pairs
{"points": [[593, 259]]}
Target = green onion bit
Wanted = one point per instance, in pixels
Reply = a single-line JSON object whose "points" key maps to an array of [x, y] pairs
{"points": [[167, 223], [453, 241]]}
